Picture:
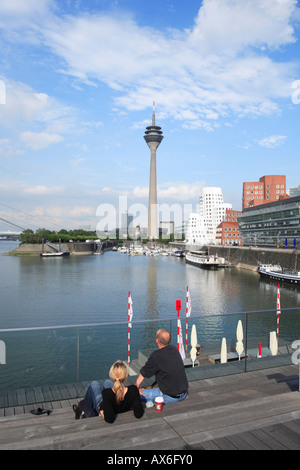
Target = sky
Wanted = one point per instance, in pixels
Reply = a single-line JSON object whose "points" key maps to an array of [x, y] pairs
{"points": [[77, 83]]}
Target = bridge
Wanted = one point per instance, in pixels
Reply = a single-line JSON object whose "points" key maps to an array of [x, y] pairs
{"points": [[9, 235]]}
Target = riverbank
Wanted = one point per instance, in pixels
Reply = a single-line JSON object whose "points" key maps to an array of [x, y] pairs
{"points": [[240, 257], [75, 248]]}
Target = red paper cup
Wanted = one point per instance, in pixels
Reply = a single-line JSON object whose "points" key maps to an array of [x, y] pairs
{"points": [[159, 403]]}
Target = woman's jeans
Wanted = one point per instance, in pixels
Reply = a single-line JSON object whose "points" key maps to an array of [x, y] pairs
{"points": [[93, 394], [152, 393]]}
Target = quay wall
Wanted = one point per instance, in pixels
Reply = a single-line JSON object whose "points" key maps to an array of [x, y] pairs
{"points": [[250, 257], [75, 248]]}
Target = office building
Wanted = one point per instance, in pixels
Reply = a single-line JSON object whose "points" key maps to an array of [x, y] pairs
{"points": [[275, 223], [269, 188]]}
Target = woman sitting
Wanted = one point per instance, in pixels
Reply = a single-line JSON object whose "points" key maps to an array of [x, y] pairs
{"points": [[111, 399]]}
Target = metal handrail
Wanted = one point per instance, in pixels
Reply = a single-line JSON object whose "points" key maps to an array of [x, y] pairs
{"points": [[87, 325]]}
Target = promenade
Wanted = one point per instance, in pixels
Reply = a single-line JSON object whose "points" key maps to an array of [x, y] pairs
{"points": [[257, 410]]}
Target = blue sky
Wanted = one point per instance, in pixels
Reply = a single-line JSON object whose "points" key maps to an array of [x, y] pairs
{"points": [[80, 77]]}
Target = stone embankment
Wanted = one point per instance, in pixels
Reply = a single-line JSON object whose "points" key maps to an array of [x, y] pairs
{"points": [[35, 249], [249, 257]]}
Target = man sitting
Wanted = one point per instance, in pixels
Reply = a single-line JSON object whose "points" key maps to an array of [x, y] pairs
{"points": [[167, 366]]}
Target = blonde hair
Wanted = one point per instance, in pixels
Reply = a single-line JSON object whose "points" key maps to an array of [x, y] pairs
{"points": [[118, 373]]}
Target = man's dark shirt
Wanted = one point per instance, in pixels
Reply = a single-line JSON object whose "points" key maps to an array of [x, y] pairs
{"points": [[167, 366]]}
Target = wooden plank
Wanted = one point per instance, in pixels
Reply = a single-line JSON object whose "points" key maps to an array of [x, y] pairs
{"points": [[201, 425], [38, 393], [64, 391], [21, 396], [255, 443], [48, 396], [284, 435], [264, 436], [55, 392], [30, 397]]}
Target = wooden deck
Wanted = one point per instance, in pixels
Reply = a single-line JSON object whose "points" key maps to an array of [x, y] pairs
{"points": [[253, 410]]}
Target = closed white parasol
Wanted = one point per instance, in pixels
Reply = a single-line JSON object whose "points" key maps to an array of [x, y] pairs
{"points": [[239, 347], [273, 343], [223, 351], [194, 343]]}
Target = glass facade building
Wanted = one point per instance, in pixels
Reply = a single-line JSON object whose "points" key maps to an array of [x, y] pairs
{"points": [[275, 223]]}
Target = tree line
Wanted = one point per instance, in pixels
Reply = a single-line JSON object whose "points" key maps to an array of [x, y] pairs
{"points": [[78, 235]]}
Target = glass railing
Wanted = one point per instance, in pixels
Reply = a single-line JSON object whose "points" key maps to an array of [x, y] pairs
{"points": [[37, 357]]}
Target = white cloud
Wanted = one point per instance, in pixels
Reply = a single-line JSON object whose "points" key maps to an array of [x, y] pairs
{"points": [[40, 140], [25, 20], [178, 191], [20, 9], [219, 68], [25, 107], [273, 141], [231, 25], [41, 190], [181, 191], [215, 69]]}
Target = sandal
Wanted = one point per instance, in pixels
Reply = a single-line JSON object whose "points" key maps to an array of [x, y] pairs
{"points": [[40, 411]]}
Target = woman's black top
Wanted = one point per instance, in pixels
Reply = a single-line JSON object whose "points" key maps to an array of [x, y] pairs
{"points": [[131, 401]]}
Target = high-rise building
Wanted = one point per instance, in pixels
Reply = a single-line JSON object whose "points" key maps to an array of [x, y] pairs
{"points": [[201, 227], [153, 136], [269, 188]]}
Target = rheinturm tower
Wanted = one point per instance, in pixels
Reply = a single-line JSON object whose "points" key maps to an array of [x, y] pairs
{"points": [[153, 136]]}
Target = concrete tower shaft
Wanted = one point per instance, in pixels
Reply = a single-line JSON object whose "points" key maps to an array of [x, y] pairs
{"points": [[153, 136]]}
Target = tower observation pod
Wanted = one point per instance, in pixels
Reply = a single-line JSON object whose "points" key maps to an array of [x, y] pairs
{"points": [[153, 136]]}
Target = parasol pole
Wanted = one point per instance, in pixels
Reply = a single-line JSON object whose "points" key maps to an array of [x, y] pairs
{"points": [[178, 308], [278, 309]]}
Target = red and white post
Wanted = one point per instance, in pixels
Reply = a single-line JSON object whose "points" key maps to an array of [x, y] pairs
{"points": [[178, 308], [278, 309], [130, 313]]}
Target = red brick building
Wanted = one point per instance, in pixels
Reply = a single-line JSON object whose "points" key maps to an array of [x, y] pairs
{"points": [[269, 188], [228, 231]]}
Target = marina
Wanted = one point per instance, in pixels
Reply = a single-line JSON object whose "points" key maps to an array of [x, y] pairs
{"points": [[69, 325]]}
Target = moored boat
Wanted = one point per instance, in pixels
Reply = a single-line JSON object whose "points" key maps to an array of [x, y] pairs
{"points": [[203, 260], [54, 255], [279, 274], [179, 253]]}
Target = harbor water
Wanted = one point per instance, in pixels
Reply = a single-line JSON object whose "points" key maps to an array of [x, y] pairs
{"points": [[87, 290]]}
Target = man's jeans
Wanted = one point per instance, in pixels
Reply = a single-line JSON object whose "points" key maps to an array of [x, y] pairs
{"points": [[152, 393]]}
